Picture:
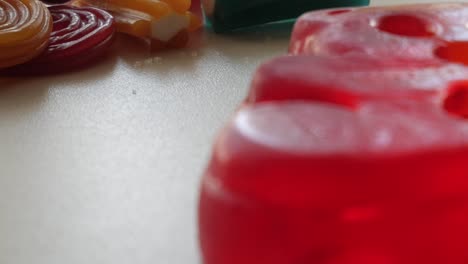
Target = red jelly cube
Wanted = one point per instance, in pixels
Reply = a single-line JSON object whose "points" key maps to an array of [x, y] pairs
{"points": [[351, 151], [348, 81], [391, 36], [301, 182], [314, 182]]}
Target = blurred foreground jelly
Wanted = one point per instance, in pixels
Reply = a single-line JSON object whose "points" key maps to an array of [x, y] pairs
{"points": [[296, 182], [351, 151], [392, 36]]}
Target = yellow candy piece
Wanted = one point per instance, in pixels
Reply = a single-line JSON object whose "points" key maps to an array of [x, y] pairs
{"points": [[25, 28], [152, 7], [132, 24], [164, 21]]}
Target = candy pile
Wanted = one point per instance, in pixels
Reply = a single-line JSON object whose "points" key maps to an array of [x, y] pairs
{"points": [[35, 38], [350, 150], [166, 23]]}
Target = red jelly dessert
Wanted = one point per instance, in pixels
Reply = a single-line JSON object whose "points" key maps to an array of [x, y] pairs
{"points": [[302, 182], [405, 35], [348, 81], [80, 36], [341, 175], [348, 156]]}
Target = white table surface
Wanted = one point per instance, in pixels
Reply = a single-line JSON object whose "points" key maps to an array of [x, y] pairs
{"points": [[102, 166]]}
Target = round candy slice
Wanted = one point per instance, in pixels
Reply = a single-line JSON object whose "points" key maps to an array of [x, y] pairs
{"points": [[25, 27], [411, 35], [80, 35]]}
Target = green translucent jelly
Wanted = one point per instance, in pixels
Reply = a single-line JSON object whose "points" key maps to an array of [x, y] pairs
{"points": [[228, 15]]}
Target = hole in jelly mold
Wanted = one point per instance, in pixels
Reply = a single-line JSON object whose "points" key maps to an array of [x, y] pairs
{"points": [[456, 101], [456, 51], [338, 12], [406, 25]]}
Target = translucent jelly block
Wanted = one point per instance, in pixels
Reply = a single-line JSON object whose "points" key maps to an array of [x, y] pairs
{"points": [[25, 27], [226, 15], [312, 182], [352, 150], [80, 35], [341, 167], [350, 81], [410, 34], [162, 21]]}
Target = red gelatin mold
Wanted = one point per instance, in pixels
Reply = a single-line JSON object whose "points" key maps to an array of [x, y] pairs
{"points": [[352, 150], [392, 36]]}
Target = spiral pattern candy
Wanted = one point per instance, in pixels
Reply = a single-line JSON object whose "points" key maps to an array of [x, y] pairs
{"points": [[79, 36], [25, 27]]}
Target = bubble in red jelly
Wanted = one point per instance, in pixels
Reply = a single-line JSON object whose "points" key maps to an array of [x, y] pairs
{"points": [[453, 51], [456, 101], [406, 25], [339, 12]]}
